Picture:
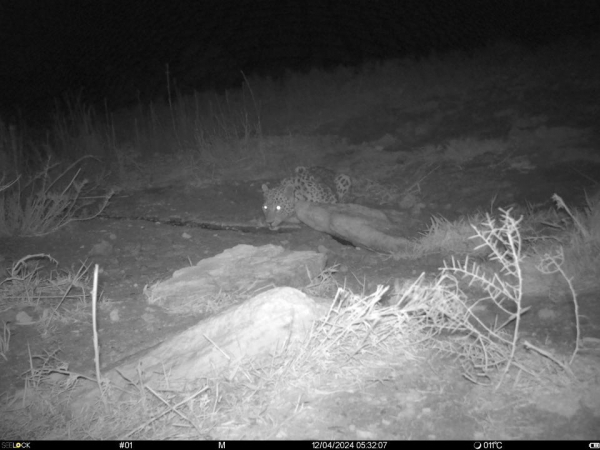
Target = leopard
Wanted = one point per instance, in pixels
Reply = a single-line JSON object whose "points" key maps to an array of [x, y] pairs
{"points": [[311, 184]]}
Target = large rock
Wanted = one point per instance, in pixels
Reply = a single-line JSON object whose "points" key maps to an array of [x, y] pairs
{"points": [[259, 326], [242, 268], [253, 330]]}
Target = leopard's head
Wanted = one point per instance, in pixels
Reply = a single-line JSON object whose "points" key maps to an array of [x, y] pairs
{"points": [[278, 204]]}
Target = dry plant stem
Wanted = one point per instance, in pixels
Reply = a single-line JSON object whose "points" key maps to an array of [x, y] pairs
{"points": [[489, 347], [409, 291], [416, 186], [48, 167], [95, 328], [561, 204], [6, 186], [32, 374], [355, 312], [80, 273], [166, 376], [171, 106], [158, 416], [4, 341], [553, 264], [256, 107], [217, 397], [35, 210], [179, 413], [576, 307], [16, 266], [142, 386], [511, 318], [68, 373], [217, 347], [510, 258], [529, 346]]}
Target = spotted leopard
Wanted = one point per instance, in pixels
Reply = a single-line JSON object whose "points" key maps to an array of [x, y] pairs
{"points": [[313, 184]]}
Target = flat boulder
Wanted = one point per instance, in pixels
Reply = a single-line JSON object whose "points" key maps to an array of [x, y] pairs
{"points": [[242, 268], [254, 330]]}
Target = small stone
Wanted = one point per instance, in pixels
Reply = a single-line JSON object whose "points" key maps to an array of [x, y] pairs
{"points": [[103, 248], [23, 318], [365, 435], [114, 315], [546, 314]]}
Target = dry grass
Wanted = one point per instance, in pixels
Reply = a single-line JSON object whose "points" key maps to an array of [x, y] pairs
{"points": [[46, 203], [484, 347], [444, 236], [323, 285], [213, 132], [59, 296], [586, 224], [575, 240], [487, 347]]}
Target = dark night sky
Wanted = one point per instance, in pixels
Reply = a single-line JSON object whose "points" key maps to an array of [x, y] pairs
{"points": [[118, 49]]}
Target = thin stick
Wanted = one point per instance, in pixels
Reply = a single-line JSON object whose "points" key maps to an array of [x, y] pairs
{"points": [[169, 409], [179, 413], [95, 327], [529, 346]]}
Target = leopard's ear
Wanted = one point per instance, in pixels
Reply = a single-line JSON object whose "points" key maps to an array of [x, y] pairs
{"points": [[265, 188], [289, 191]]}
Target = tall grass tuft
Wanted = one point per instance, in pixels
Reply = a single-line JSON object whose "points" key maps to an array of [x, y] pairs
{"points": [[45, 202]]}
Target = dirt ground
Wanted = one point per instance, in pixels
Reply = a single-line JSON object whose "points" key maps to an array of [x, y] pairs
{"points": [[146, 234]]}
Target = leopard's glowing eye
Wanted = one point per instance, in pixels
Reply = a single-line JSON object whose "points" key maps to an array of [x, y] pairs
{"points": [[278, 208], [265, 207]]}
